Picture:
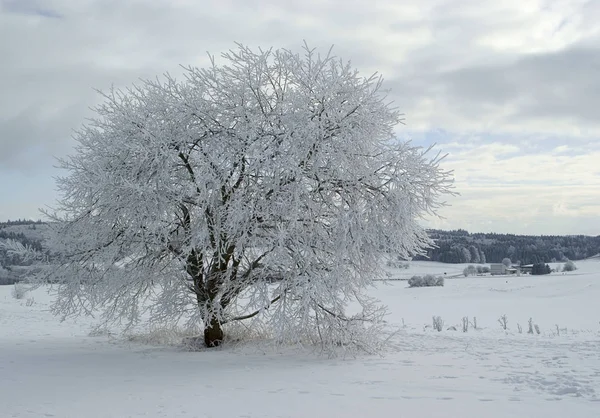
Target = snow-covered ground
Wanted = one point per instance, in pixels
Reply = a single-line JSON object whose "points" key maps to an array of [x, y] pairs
{"points": [[48, 368]]}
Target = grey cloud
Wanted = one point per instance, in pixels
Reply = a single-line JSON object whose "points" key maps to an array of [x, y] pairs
{"points": [[443, 60], [28, 139], [51, 68], [560, 84], [38, 120], [29, 7]]}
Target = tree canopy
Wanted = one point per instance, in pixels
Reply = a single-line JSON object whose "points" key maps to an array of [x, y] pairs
{"points": [[262, 189]]}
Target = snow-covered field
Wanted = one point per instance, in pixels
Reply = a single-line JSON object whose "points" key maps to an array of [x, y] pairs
{"points": [[48, 368]]}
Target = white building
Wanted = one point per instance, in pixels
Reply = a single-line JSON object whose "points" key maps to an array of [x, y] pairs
{"points": [[497, 269]]}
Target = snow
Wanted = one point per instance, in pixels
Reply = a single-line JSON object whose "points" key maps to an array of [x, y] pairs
{"points": [[49, 368]]}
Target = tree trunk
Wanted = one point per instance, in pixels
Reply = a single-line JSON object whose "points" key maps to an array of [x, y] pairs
{"points": [[213, 333]]}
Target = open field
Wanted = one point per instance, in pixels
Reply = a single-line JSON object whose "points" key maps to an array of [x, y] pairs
{"points": [[48, 368]]}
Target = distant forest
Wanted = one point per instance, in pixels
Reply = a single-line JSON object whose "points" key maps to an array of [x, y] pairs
{"points": [[451, 246], [462, 247]]}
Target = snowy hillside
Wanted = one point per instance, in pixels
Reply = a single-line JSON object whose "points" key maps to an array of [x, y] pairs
{"points": [[48, 368]]}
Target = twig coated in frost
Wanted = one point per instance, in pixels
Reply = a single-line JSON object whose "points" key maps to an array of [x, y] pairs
{"points": [[503, 320]]}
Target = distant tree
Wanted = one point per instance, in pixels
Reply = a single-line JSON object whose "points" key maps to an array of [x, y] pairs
{"points": [[511, 250], [466, 255], [470, 270], [486, 269], [507, 262], [264, 190], [540, 268], [569, 266], [480, 269], [475, 258]]}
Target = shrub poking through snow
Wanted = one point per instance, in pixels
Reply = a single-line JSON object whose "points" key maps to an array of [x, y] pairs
{"points": [[465, 324], [530, 330], [19, 291], [429, 280], [503, 320], [564, 330], [438, 323]]}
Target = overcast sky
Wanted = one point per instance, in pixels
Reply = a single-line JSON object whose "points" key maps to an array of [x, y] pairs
{"points": [[509, 89]]}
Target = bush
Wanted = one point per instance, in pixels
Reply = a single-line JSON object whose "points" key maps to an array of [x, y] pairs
{"points": [[438, 323], [19, 291], [415, 281], [429, 280], [485, 269], [569, 266], [470, 270]]}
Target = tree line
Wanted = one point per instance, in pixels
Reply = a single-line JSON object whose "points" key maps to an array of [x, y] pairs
{"points": [[460, 246], [20, 222], [454, 246]]}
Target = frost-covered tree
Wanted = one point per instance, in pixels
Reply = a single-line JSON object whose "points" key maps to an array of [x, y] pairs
{"points": [[506, 261], [466, 255], [19, 253], [569, 266], [263, 189], [475, 258], [470, 270]]}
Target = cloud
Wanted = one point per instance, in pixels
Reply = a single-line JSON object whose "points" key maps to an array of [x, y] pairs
{"points": [[509, 89], [560, 85], [513, 190], [29, 7]]}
